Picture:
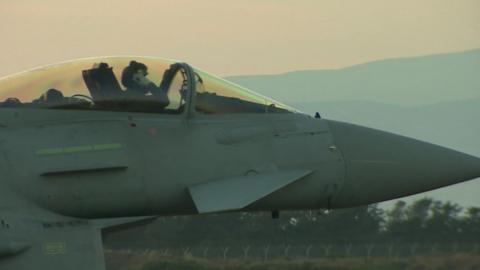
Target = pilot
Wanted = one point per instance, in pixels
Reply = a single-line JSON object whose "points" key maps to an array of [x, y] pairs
{"points": [[11, 102], [134, 78], [51, 96]]}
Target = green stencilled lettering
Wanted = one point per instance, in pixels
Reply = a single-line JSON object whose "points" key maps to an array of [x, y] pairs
{"points": [[110, 146], [50, 151], [79, 149], [76, 149], [55, 248]]}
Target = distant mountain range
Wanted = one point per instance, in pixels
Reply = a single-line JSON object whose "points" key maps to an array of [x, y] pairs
{"points": [[404, 81], [432, 98]]}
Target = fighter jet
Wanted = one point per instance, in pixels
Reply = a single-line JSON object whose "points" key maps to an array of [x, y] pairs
{"points": [[96, 144]]}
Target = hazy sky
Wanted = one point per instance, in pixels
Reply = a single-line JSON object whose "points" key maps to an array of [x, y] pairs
{"points": [[235, 37]]}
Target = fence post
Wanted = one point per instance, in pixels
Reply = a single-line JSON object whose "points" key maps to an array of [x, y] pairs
{"points": [[433, 249], [186, 251], [369, 250], [348, 250], [390, 250], [266, 250], [205, 252], [286, 250], [455, 247], [307, 251], [413, 249], [245, 252], [326, 250], [225, 251]]}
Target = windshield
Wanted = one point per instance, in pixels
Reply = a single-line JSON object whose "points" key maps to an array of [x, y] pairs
{"points": [[216, 95]]}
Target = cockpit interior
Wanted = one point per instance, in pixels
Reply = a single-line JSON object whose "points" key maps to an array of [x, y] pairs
{"points": [[130, 84]]}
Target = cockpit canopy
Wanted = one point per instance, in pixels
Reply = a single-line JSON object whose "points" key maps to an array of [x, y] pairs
{"points": [[131, 84]]}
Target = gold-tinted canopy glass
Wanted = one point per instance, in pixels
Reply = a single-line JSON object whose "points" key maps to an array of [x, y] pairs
{"points": [[67, 76], [217, 95], [139, 84]]}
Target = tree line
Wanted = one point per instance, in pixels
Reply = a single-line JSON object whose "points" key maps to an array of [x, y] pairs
{"points": [[422, 221]]}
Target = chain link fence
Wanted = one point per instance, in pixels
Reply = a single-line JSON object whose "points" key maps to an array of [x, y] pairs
{"points": [[313, 251]]}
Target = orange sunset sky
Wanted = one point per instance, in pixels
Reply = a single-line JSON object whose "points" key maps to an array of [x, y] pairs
{"points": [[235, 37]]}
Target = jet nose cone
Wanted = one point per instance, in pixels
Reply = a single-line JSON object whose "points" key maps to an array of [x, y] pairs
{"points": [[382, 166]]}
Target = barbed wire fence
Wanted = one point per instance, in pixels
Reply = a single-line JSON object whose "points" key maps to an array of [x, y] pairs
{"points": [[312, 251]]}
